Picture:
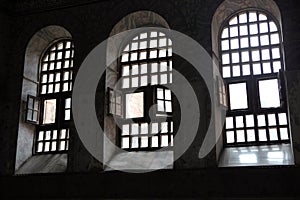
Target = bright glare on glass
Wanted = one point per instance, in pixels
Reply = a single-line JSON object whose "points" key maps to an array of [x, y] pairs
{"points": [[269, 94], [49, 111], [135, 105], [238, 96]]}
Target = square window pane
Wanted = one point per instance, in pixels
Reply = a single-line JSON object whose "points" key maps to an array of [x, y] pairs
{"points": [[262, 135], [282, 119], [240, 136], [153, 43], [40, 147], [133, 56], [153, 54], [134, 142], [160, 93], [256, 69], [125, 129], [164, 127], [225, 45], [163, 67], [275, 53], [284, 133], [235, 57], [243, 30], [168, 106], [135, 82], [135, 105], [254, 41], [244, 42], [144, 141], [269, 93], [261, 120], [233, 21], [125, 143], [154, 128], [236, 71], [253, 29], [144, 128], [264, 40], [265, 54], [238, 96], [154, 67], [275, 38], [125, 83], [252, 17], [276, 66], [234, 31], [267, 68], [263, 27], [225, 59], [245, 56], [135, 70], [154, 80], [272, 120], [125, 57], [230, 137], [246, 70], [162, 42], [154, 141], [239, 123], [160, 106], [163, 79], [250, 120], [243, 18], [250, 135], [234, 43], [164, 141], [255, 55], [144, 68], [229, 122], [143, 45], [144, 80], [226, 72], [273, 134]]}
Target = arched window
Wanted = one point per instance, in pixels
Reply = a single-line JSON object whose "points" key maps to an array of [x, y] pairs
{"points": [[54, 95], [251, 56], [146, 67]]}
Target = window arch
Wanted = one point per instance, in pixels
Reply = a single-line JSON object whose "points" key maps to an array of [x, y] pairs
{"points": [[251, 56], [146, 64], [39, 74], [55, 86]]}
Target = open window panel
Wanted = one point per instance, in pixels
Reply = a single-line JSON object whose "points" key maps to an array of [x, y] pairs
{"points": [[115, 103], [222, 92], [139, 131], [32, 110]]}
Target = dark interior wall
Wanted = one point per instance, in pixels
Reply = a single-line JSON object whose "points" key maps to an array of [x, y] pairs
{"points": [[90, 24]]}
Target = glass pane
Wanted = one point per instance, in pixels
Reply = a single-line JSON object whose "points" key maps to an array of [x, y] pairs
{"points": [[125, 129], [135, 142], [253, 29], [243, 30], [125, 143], [246, 70], [282, 119], [240, 136], [252, 17], [230, 136], [284, 133], [154, 141], [225, 33], [243, 18], [267, 68], [49, 111], [160, 93], [250, 121], [261, 120], [250, 135], [235, 57], [263, 27], [254, 41], [225, 59], [154, 128], [275, 38], [144, 141], [244, 42], [168, 94], [229, 122], [272, 120], [233, 31], [144, 128], [262, 134], [226, 72], [269, 94], [135, 105], [273, 27], [265, 54], [164, 141], [143, 68], [234, 44], [225, 45], [239, 123], [238, 96], [273, 134], [236, 71], [264, 40], [275, 53]]}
